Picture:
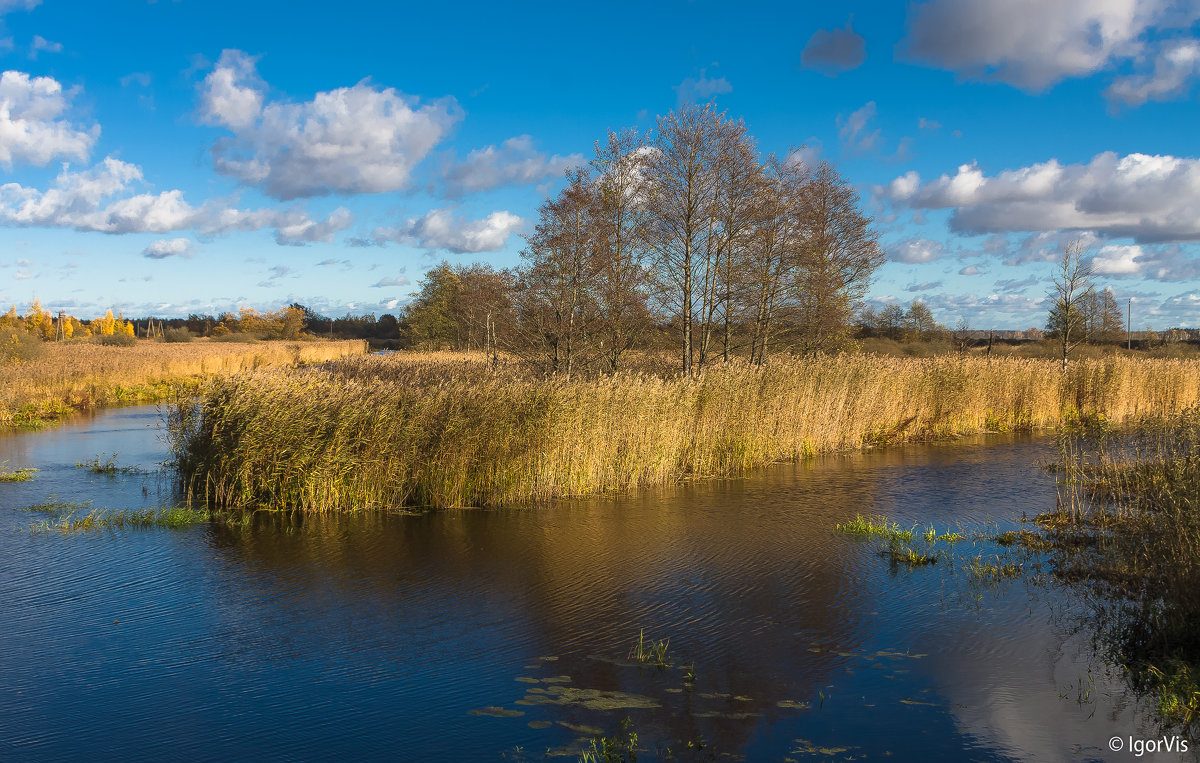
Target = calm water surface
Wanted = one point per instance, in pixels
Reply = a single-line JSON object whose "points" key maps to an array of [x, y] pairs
{"points": [[489, 635]]}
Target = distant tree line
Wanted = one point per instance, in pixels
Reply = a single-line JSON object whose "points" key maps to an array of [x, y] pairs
{"points": [[894, 322]]}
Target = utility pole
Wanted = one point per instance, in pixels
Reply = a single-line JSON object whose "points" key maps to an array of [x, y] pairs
{"points": [[1129, 323]]}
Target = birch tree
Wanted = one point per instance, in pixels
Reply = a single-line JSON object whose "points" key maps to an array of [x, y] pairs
{"points": [[1073, 289]]}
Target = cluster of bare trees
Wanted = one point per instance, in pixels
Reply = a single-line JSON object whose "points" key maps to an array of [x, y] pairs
{"points": [[685, 230], [894, 322]]}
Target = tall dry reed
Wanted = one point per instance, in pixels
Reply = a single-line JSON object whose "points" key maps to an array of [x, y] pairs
{"points": [[1132, 495], [443, 431], [69, 377]]}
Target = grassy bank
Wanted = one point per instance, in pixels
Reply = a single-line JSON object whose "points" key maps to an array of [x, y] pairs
{"points": [[437, 430], [69, 377]]}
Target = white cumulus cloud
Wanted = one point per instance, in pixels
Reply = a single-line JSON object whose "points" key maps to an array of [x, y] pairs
{"points": [[1145, 197], [168, 247], [441, 229], [1169, 74], [103, 199], [231, 94], [32, 124], [300, 229], [1116, 259], [916, 250], [359, 139]]}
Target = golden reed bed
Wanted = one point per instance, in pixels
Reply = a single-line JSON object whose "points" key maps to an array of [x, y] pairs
{"points": [[70, 377], [443, 431]]}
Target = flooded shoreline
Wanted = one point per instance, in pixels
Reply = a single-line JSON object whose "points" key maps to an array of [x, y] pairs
{"points": [[468, 635]]}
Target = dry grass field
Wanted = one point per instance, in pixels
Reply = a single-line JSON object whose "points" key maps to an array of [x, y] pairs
{"points": [[69, 377]]}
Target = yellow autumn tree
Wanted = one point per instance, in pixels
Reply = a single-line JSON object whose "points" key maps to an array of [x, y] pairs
{"points": [[10, 319], [108, 324], [39, 321]]}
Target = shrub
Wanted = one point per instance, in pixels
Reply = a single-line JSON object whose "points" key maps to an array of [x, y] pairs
{"points": [[115, 340], [17, 345], [174, 336]]}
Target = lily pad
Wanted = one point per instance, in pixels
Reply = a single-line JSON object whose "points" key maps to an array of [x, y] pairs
{"points": [[498, 712], [592, 699]]}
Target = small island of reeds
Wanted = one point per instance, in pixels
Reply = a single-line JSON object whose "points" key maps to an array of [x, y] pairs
{"points": [[446, 430]]}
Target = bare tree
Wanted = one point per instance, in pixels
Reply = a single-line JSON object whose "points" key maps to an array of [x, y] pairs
{"points": [[962, 334], [681, 178], [1072, 290], [619, 195], [554, 306], [1104, 321], [739, 178], [920, 321], [839, 252], [772, 247], [891, 320]]}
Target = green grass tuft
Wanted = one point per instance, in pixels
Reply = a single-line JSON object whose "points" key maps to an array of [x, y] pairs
{"points": [[651, 652], [619, 748], [901, 553], [871, 527], [108, 466], [23, 474]]}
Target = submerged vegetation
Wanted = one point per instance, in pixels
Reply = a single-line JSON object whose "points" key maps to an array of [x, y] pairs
{"points": [[899, 548], [107, 466], [53, 505], [992, 572], [71, 376], [621, 747], [443, 430], [20, 474], [68, 517], [1128, 526]]}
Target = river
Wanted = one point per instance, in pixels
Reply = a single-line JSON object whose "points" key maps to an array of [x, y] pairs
{"points": [[489, 635]]}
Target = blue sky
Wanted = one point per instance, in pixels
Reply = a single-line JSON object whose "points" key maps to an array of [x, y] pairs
{"points": [[177, 157]]}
